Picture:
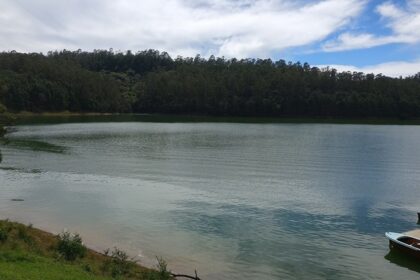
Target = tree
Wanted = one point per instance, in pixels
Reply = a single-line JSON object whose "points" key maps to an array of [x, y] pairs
{"points": [[152, 82]]}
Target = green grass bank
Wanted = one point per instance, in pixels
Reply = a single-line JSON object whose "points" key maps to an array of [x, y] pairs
{"points": [[27, 253]]}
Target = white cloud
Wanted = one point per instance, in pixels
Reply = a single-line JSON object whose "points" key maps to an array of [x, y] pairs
{"points": [[239, 28], [391, 69], [348, 41], [403, 23]]}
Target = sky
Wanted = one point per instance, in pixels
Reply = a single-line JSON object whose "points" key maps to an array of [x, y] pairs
{"points": [[372, 36]]}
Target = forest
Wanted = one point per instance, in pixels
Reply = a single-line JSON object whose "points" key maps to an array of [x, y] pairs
{"points": [[153, 82]]}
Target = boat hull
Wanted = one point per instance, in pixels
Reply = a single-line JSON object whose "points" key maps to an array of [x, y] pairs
{"points": [[407, 245], [394, 246]]}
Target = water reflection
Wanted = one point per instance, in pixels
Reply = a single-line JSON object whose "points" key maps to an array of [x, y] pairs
{"points": [[403, 260], [317, 240], [34, 145], [232, 200]]}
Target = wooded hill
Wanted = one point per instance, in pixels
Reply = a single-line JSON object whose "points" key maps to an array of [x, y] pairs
{"points": [[153, 82]]}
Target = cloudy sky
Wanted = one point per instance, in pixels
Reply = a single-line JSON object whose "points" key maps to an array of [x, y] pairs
{"points": [[367, 35]]}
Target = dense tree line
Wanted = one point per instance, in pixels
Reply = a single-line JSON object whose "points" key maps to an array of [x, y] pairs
{"points": [[153, 82]]}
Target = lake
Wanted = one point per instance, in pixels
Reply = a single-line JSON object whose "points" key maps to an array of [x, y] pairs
{"points": [[232, 200]]}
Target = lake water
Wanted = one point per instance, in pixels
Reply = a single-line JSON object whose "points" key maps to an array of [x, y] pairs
{"points": [[232, 200]]}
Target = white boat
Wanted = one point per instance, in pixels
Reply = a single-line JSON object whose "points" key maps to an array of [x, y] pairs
{"points": [[404, 243]]}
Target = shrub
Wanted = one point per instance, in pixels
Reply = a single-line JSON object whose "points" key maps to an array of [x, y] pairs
{"points": [[5, 119], [162, 267], [119, 263], [161, 272], [87, 267], [23, 234], [70, 246], [3, 235]]}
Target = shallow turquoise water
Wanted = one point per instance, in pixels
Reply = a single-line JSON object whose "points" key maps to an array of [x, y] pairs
{"points": [[234, 201]]}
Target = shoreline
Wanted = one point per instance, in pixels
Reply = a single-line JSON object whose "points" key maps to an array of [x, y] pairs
{"points": [[65, 256], [99, 251], [67, 116], [91, 239], [40, 247], [61, 113]]}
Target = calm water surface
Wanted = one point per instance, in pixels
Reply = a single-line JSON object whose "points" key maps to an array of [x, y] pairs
{"points": [[234, 201]]}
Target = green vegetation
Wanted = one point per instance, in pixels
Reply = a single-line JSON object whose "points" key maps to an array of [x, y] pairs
{"points": [[3, 119], [153, 82], [162, 268], [29, 253], [70, 246], [118, 264]]}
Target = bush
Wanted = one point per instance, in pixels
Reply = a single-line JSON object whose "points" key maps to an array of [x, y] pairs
{"points": [[2, 131], [161, 272], [119, 264], [3, 235], [87, 267], [70, 246], [5, 119], [23, 234], [162, 267]]}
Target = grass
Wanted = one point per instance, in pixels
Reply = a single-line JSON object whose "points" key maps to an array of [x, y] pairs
{"points": [[31, 254], [18, 264]]}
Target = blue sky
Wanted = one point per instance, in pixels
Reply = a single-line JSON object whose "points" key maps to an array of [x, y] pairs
{"points": [[401, 56], [356, 35]]}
